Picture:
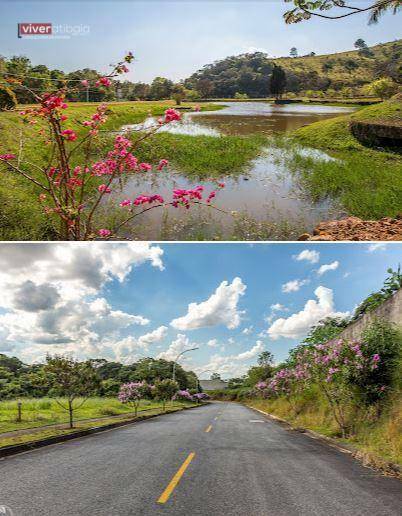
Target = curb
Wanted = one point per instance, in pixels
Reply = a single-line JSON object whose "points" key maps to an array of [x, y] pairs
{"points": [[379, 465], [14, 449]]}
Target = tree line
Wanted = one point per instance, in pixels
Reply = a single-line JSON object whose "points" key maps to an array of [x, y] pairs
{"points": [[18, 379]]}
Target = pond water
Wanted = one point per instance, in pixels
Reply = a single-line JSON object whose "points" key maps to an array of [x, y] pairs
{"points": [[266, 199]]}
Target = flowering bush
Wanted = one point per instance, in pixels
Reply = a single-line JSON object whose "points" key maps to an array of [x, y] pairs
{"points": [[183, 396], [335, 367], [200, 396], [70, 191], [133, 392]]}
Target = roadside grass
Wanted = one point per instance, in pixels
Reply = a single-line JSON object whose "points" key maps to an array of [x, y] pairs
{"points": [[84, 425], [45, 411], [378, 438], [367, 182]]}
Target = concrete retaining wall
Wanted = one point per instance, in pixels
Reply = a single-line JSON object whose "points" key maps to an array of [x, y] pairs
{"points": [[390, 310]]}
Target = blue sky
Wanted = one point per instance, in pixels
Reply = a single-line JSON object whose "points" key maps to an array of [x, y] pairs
{"points": [[123, 301], [174, 39]]}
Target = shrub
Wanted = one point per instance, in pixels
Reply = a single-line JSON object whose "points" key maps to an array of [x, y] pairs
{"points": [[8, 100]]}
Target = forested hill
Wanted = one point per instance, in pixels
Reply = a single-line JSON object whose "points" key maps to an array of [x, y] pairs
{"points": [[249, 73]]}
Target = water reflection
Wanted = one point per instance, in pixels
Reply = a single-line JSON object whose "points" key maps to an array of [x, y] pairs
{"points": [[244, 118], [266, 192]]}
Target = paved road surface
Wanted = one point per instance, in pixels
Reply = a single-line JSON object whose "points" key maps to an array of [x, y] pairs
{"points": [[244, 465]]}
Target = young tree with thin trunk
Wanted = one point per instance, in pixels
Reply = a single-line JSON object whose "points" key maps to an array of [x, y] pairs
{"points": [[72, 380], [164, 390]]}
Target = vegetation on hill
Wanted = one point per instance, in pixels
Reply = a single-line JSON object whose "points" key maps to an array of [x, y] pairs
{"points": [[343, 73], [242, 76]]}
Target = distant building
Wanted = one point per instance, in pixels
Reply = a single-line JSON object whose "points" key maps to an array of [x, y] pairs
{"points": [[213, 385]]}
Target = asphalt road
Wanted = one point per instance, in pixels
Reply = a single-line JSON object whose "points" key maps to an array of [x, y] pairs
{"points": [[232, 461]]}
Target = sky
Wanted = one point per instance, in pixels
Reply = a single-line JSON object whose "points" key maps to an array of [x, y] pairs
{"points": [[124, 301], [173, 39]]}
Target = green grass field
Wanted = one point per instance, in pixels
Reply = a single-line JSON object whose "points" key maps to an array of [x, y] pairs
{"points": [[45, 411]]}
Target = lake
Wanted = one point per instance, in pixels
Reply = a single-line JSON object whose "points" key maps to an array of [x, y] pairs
{"points": [[265, 198]]}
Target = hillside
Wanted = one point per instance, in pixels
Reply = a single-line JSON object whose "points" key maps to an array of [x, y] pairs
{"points": [[249, 73]]}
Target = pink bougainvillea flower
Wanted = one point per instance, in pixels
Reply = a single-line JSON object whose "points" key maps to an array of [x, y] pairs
{"points": [[104, 233], [145, 166], [69, 135], [104, 189], [6, 157], [163, 163], [85, 83], [147, 199], [171, 115], [103, 81], [125, 202]]}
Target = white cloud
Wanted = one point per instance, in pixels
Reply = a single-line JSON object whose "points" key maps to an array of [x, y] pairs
{"points": [[346, 274], [293, 285], [231, 365], [298, 324], [213, 343], [253, 352], [328, 267], [248, 330], [51, 294], [277, 307], [220, 308], [181, 343], [309, 255], [126, 350], [377, 246]]}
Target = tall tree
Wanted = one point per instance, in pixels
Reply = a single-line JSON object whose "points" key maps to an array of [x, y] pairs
{"points": [[293, 52], [278, 81]]}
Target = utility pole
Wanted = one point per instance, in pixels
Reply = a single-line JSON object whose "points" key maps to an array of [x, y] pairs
{"points": [[177, 358], [87, 93]]}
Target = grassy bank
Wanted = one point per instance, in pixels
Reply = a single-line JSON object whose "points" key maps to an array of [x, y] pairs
{"points": [[38, 433], [46, 411], [375, 438], [366, 181]]}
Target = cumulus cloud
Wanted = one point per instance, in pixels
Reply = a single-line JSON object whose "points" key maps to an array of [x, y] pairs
{"points": [[181, 343], [293, 285], [220, 308], [212, 343], [328, 267], [298, 324], [309, 255], [126, 350], [248, 331], [231, 365], [30, 297], [51, 295]]}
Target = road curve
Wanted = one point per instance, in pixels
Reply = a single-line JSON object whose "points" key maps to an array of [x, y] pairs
{"points": [[222, 459]]}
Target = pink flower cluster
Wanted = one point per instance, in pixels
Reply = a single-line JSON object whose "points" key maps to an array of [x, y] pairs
{"points": [[6, 157]]}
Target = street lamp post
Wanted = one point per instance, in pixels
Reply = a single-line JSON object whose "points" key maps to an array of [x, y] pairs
{"points": [[177, 358]]}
